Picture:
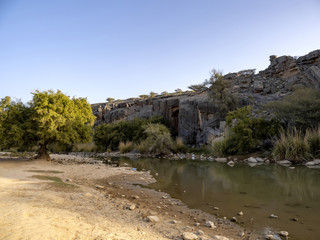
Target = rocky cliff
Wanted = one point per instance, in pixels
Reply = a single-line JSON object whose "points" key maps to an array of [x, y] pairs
{"points": [[192, 115]]}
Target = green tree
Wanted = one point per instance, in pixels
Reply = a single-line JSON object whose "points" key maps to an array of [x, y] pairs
{"points": [[300, 109], [153, 94], [144, 96], [110, 99], [50, 117], [198, 87], [15, 124], [220, 94]]}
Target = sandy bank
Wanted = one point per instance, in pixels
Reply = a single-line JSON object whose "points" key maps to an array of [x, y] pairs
{"points": [[93, 202]]}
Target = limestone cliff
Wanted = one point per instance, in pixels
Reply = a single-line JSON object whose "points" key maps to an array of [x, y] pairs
{"points": [[192, 115]]}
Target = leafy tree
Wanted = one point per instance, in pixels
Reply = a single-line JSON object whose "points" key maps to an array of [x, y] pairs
{"points": [[198, 87], [50, 117], [144, 96], [153, 94], [110, 99], [15, 124], [220, 94], [164, 93], [300, 109], [179, 91]]}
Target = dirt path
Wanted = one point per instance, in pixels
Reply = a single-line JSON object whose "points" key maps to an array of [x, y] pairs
{"points": [[93, 201]]}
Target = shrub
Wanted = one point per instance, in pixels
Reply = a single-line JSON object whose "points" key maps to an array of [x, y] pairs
{"points": [[158, 141], [126, 147], [291, 145], [301, 109], [247, 133], [220, 148], [110, 135]]}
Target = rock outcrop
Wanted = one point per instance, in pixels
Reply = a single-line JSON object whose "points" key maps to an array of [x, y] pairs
{"points": [[195, 119]]}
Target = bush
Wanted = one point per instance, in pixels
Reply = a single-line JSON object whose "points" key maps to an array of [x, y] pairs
{"points": [[247, 133], [110, 135], [301, 109], [291, 145], [158, 141], [126, 147], [220, 148]]}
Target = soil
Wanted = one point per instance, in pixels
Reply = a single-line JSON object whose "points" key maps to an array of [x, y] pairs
{"points": [[68, 200]]}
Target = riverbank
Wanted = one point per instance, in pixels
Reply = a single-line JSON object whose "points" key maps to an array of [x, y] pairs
{"points": [[95, 201]]}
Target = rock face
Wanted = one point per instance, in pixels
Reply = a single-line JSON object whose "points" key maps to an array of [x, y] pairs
{"points": [[194, 118]]}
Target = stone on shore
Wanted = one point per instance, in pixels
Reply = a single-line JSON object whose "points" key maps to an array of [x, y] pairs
{"points": [[153, 219], [189, 236]]}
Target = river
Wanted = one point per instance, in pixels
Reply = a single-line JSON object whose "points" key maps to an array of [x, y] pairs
{"points": [[293, 195]]}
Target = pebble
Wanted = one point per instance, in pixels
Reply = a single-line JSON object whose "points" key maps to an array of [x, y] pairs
{"points": [[88, 195], [189, 236], [153, 219], [234, 219], [269, 237], [240, 213], [210, 224], [273, 216], [200, 233], [283, 233], [132, 207], [294, 219], [215, 208], [217, 237], [99, 187], [175, 221], [135, 197], [197, 224], [241, 234]]}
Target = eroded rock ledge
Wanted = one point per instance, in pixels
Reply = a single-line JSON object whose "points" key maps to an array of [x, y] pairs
{"points": [[192, 115]]}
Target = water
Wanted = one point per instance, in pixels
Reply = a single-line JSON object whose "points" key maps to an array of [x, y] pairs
{"points": [[256, 191]]}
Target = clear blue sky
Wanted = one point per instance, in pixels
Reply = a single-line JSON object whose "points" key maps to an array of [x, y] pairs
{"points": [[124, 48]]}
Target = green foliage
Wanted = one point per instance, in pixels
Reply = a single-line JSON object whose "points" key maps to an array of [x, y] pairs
{"points": [[144, 96], [220, 148], [246, 133], [16, 126], [165, 93], [110, 99], [198, 87], [153, 94], [220, 94], [50, 117], [110, 135], [179, 91], [301, 109], [84, 147], [291, 145], [158, 141]]}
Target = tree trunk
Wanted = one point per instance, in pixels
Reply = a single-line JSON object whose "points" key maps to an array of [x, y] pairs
{"points": [[43, 154]]}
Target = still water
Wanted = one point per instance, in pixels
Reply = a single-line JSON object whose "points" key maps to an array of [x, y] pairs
{"points": [[256, 191]]}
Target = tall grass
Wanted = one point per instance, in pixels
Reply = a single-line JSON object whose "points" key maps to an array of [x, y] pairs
{"points": [[292, 145], [180, 147], [313, 137], [219, 148], [126, 147], [84, 147]]}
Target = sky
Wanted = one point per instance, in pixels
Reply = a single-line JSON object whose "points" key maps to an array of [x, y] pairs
{"points": [[124, 48]]}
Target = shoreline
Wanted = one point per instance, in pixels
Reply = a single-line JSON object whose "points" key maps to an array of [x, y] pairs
{"points": [[109, 202]]}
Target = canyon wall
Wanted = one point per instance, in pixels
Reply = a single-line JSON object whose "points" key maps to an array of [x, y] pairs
{"points": [[192, 115]]}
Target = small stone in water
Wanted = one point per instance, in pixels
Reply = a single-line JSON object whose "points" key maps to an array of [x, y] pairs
{"points": [[234, 219], [284, 233], [215, 208], [273, 216], [294, 219], [240, 213]]}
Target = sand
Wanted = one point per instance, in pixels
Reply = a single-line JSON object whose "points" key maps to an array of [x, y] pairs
{"points": [[93, 202]]}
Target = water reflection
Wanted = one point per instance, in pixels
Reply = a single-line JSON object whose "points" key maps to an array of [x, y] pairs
{"points": [[257, 191]]}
